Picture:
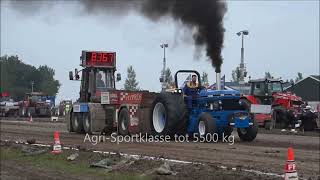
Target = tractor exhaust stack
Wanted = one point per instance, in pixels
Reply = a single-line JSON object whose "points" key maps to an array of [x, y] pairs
{"points": [[218, 81]]}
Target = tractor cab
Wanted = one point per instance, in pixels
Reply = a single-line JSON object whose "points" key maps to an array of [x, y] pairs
{"points": [[191, 85], [263, 89], [97, 75], [201, 96]]}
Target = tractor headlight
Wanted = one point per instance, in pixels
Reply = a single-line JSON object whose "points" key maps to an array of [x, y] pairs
{"points": [[178, 91]]}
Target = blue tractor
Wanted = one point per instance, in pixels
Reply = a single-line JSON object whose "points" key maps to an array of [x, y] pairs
{"points": [[201, 111]]}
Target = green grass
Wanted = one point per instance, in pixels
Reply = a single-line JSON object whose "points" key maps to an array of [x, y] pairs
{"points": [[60, 163]]}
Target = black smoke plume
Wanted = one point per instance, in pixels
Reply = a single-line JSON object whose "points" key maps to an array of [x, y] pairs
{"points": [[204, 18]]}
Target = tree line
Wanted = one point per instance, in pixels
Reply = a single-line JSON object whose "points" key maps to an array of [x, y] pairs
{"points": [[131, 84], [17, 77], [236, 76]]}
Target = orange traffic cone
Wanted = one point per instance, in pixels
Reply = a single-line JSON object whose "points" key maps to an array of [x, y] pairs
{"points": [[30, 119], [57, 145], [290, 166]]}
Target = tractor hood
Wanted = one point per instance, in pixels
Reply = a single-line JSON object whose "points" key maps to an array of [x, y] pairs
{"points": [[42, 104], [210, 92], [286, 95]]}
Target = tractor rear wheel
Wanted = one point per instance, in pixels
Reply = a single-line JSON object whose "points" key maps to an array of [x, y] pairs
{"points": [[77, 124], [268, 125], [168, 114], [16, 113], [69, 122], [249, 133], [279, 117], [22, 111], [87, 123], [29, 113], [206, 124], [123, 122]]}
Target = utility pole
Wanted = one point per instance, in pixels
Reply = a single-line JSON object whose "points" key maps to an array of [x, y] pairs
{"points": [[32, 83], [164, 81], [242, 68]]}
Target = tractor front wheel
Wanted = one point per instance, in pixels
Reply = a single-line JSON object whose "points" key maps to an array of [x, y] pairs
{"points": [[249, 133], [279, 118], [268, 125], [22, 111], [206, 124]]}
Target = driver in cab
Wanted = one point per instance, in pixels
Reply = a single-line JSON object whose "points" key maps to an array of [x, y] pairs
{"points": [[191, 90], [100, 83], [191, 87]]}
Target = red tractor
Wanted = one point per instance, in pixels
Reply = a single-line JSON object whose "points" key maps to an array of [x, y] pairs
{"points": [[35, 104], [103, 108], [273, 107]]}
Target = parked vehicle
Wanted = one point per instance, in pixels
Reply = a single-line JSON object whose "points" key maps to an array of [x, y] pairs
{"points": [[282, 109], [8, 107], [64, 107], [35, 104]]}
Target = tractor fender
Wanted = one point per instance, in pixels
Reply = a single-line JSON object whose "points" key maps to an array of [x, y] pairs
{"points": [[250, 98], [245, 103], [133, 123]]}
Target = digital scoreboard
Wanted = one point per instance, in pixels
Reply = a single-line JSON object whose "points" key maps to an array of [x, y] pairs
{"points": [[98, 59]]}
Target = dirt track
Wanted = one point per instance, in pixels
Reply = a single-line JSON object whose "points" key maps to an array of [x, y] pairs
{"points": [[267, 153]]}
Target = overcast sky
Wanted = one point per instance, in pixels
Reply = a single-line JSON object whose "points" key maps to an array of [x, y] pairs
{"points": [[283, 39]]}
